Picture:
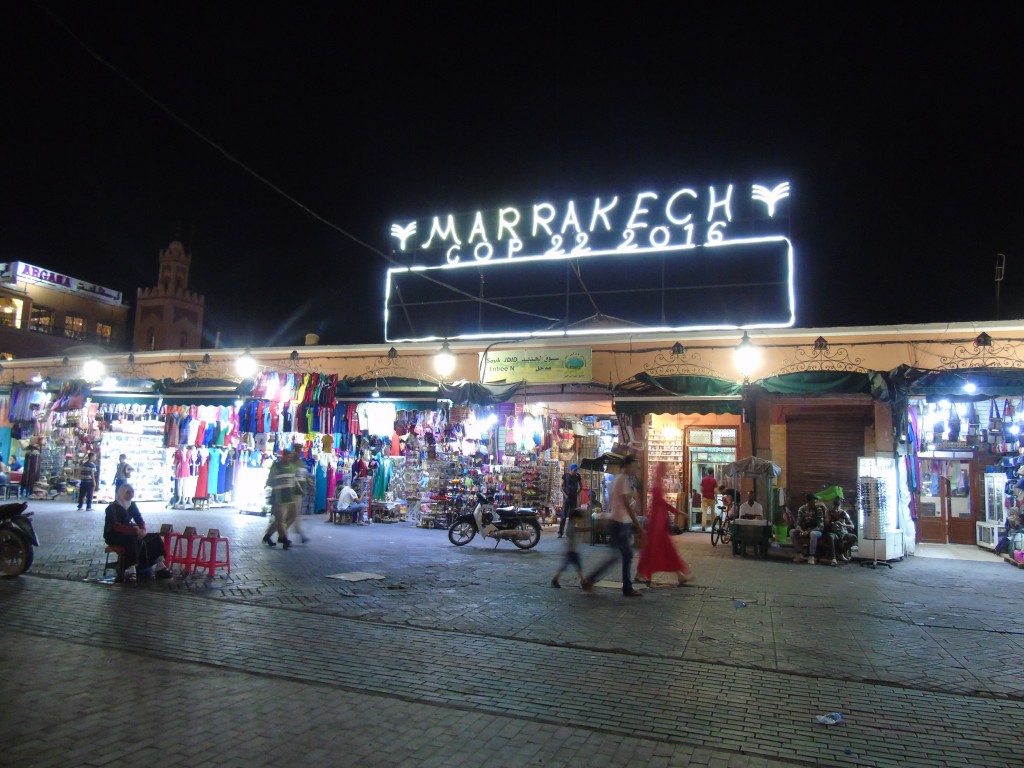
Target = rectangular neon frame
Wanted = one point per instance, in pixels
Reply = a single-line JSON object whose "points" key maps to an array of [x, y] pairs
{"points": [[631, 329]]}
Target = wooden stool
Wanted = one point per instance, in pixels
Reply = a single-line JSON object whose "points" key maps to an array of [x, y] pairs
{"points": [[115, 562]]}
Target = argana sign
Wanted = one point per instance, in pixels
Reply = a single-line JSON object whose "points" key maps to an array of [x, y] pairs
{"points": [[641, 262]]}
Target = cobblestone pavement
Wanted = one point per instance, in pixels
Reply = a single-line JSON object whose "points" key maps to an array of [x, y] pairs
{"points": [[461, 656]]}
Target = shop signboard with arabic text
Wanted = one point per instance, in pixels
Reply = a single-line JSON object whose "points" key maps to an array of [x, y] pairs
{"points": [[687, 257], [561, 365]]}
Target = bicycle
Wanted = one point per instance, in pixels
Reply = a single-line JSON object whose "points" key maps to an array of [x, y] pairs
{"points": [[721, 528]]}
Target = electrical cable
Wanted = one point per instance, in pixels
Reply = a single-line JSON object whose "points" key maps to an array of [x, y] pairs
{"points": [[234, 160]]}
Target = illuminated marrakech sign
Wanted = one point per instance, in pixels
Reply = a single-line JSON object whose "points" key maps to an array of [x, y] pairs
{"points": [[687, 259], [20, 272]]}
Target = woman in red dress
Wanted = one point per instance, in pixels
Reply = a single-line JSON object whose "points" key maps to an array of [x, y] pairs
{"points": [[659, 554]]}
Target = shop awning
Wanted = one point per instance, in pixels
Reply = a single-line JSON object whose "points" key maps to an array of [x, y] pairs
{"points": [[988, 383], [470, 393], [404, 393], [821, 383], [205, 391], [679, 394]]}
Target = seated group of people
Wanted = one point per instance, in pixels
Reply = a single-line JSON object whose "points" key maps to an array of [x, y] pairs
{"points": [[834, 526]]}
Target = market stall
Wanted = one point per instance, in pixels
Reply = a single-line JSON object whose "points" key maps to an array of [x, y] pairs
{"points": [[753, 532]]}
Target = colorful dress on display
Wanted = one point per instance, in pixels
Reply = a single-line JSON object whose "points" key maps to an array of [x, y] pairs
{"points": [[213, 482], [659, 554], [323, 469], [203, 477]]}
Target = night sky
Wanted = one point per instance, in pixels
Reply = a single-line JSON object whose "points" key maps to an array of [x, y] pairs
{"points": [[899, 130]]}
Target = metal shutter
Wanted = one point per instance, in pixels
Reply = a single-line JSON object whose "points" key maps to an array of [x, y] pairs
{"points": [[822, 451]]}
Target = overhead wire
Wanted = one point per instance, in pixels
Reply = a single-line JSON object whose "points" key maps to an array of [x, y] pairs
{"points": [[265, 181]]}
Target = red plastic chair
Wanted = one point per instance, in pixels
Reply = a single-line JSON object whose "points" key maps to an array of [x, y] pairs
{"points": [[170, 537], [186, 549], [208, 555]]}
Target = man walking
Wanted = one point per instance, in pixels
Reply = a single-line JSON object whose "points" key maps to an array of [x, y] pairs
{"points": [[708, 486], [572, 484], [621, 524], [282, 483]]}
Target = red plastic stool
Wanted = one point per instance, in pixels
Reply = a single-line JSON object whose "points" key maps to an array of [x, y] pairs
{"points": [[209, 547], [169, 536], [186, 549]]}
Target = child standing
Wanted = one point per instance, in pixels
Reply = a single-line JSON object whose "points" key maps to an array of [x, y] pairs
{"points": [[570, 556]]}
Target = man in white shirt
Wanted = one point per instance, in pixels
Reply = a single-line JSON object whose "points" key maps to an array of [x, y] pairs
{"points": [[751, 509], [621, 523], [348, 502]]}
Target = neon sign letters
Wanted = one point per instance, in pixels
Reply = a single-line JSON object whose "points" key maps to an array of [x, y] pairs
{"points": [[664, 239], [684, 218]]}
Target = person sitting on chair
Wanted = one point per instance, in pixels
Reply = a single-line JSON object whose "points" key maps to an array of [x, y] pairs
{"points": [[751, 509], [810, 519], [125, 528], [840, 532]]}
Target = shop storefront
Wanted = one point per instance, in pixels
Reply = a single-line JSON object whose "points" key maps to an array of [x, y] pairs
{"points": [[962, 437], [691, 423]]}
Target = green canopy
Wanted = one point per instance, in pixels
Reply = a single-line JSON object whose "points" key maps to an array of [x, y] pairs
{"points": [[819, 383], [679, 394]]}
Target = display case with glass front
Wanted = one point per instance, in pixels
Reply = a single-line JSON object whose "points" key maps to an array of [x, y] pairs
{"points": [[994, 512]]}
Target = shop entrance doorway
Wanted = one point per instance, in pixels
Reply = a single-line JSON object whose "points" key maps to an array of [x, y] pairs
{"points": [[944, 513]]}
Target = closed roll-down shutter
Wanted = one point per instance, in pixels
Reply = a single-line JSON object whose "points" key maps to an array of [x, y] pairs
{"points": [[822, 451]]}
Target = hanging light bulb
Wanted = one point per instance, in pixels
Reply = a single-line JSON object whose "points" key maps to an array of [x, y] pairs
{"points": [[747, 357], [444, 361], [246, 365], [93, 369]]}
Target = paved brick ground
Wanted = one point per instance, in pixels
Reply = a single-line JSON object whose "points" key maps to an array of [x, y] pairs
{"points": [[924, 661]]}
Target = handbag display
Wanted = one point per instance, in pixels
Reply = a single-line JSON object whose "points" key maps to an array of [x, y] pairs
{"points": [[954, 423], [995, 423]]}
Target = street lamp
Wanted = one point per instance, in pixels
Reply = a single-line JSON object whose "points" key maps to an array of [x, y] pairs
{"points": [[93, 369], [245, 365], [444, 361], [748, 357]]}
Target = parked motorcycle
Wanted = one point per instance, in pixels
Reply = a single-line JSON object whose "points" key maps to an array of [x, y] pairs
{"points": [[518, 525], [17, 537]]}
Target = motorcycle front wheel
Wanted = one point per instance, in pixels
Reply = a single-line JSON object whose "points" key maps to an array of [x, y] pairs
{"points": [[15, 554], [529, 534], [461, 532]]}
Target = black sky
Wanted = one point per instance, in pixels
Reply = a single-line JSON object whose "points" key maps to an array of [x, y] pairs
{"points": [[898, 127]]}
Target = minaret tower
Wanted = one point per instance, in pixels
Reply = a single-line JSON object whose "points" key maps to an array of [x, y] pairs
{"points": [[169, 316]]}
